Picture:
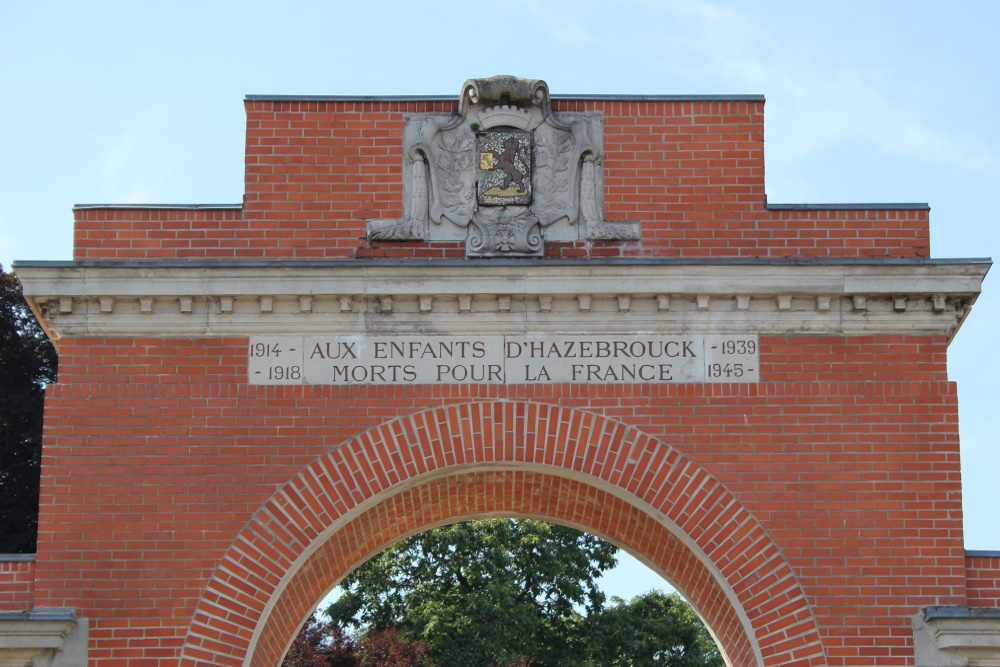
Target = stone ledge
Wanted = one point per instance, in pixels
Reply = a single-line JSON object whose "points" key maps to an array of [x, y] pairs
{"points": [[778, 299], [38, 637], [957, 636]]}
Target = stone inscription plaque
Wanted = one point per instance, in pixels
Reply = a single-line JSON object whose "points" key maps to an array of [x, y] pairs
{"points": [[515, 359]]}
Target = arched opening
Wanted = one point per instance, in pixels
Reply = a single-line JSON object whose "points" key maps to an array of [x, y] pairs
{"points": [[503, 591], [502, 493], [503, 459]]}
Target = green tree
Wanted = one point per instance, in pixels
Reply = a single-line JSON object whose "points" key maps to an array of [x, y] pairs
{"points": [[27, 364], [652, 629], [505, 592], [483, 592]]}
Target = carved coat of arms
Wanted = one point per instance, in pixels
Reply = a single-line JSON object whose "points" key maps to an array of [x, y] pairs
{"points": [[504, 174], [504, 168]]}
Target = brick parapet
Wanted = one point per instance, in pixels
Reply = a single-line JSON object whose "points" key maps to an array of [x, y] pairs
{"points": [[983, 578], [17, 582], [692, 171]]}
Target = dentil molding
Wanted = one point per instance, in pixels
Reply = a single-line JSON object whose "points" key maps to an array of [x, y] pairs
{"points": [[929, 297]]}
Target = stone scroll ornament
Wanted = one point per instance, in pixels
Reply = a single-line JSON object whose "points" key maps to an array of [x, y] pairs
{"points": [[503, 174]]}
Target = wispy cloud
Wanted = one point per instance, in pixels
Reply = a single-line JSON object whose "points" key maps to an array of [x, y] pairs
{"points": [[814, 102], [134, 168], [561, 25], [819, 108]]}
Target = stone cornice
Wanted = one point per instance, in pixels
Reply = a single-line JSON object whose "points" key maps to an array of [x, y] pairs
{"points": [[28, 636], [957, 636], [924, 297]]}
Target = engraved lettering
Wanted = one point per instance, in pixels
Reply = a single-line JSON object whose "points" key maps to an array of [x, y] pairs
{"points": [[469, 372], [385, 359], [541, 376], [265, 350], [339, 350]]}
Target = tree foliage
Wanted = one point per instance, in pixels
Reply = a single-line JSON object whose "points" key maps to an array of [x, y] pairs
{"points": [[504, 592], [27, 364], [388, 647], [320, 644], [652, 629], [482, 592], [325, 644]]}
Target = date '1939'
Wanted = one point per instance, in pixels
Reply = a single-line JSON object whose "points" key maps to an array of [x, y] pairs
{"points": [[739, 346]]}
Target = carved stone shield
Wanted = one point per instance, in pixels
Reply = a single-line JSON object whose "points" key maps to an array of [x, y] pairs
{"points": [[505, 174], [504, 177]]}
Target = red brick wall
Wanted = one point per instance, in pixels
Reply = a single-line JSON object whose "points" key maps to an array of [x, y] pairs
{"points": [[691, 171], [188, 514], [846, 454], [983, 572], [17, 583]]}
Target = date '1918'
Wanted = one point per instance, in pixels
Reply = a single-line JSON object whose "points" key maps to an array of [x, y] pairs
{"points": [[284, 373]]}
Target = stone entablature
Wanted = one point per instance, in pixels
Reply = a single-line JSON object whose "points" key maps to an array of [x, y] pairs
{"points": [[930, 297]]}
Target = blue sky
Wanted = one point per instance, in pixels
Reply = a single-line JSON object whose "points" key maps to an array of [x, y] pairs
{"points": [[891, 101]]}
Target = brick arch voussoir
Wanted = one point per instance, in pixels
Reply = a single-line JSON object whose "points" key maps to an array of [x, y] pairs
{"points": [[364, 473]]}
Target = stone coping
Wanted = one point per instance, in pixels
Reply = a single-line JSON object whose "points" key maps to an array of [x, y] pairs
{"points": [[452, 98], [18, 558], [40, 614], [959, 611], [182, 207], [492, 262], [851, 206]]}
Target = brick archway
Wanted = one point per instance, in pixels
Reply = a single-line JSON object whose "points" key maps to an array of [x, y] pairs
{"points": [[502, 458], [811, 380]]}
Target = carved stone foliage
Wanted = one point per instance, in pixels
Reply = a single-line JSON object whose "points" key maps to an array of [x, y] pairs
{"points": [[504, 174]]}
